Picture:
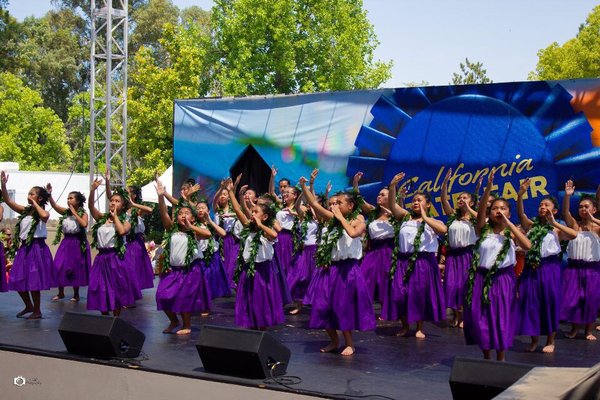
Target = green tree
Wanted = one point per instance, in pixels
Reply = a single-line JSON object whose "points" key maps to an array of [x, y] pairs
{"points": [[470, 73], [577, 58], [30, 133], [10, 35], [148, 22], [289, 46]]}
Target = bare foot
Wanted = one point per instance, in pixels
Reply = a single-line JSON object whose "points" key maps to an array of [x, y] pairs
{"points": [[74, 299], [403, 332], [35, 316], [58, 297], [185, 331], [589, 336], [532, 347], [420, 335], [348, 351], [453, 323], [461, 325], [330, 348], [205, 313], [171, 327], [548, 349], [295, 311], [23, 312], [571, 335], [598, 328]]}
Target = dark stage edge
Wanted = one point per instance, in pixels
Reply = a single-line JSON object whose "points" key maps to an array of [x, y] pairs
{"points": [[383, 365]]}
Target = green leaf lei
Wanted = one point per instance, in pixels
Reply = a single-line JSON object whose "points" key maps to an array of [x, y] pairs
{"points": [[536, 235], [413, 257], [250, 271], [133, 220], [119, 240], [189, 254], [325, 248], [59, 230], [210, 247], [32, 229], [221, 213], [485, 295], [299, 230]]}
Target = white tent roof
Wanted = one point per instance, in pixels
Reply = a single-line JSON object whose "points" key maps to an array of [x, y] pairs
{"points": [[149, 191]]}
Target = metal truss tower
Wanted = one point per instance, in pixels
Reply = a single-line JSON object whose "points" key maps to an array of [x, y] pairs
{"points": [[108, 90]]}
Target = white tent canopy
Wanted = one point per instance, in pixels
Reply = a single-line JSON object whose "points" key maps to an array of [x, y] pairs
{"points": [[149, 191]]}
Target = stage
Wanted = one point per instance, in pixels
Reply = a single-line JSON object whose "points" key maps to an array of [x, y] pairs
{"points": [[384, 366]]}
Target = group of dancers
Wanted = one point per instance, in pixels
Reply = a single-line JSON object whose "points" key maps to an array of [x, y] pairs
{"points": [[336, 253]]}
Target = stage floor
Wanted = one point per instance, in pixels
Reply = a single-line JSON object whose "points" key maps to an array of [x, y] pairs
{"points": [[384, 366]]}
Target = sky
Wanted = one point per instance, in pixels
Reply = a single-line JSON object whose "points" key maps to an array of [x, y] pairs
{"points": [[428, 39]]}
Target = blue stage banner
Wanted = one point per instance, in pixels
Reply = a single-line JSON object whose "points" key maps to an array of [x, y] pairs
{"points": [[546, 131]]}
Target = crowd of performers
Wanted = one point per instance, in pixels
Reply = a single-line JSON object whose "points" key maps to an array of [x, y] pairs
{"points": [[336, 253]]}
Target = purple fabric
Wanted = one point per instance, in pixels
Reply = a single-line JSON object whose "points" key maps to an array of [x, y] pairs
{"points": [[301, 272], [539, 297], [32, 268], [71, 266], [184, 291], [3, 281], [284, 248], [493, 326], [340, 298], [109, 285], [580, 292], [216, 277], [139, 264], [375, 267], [231, 247], [395, 301], [286, 297], [258, 299], [425, 294], [456, 275]]}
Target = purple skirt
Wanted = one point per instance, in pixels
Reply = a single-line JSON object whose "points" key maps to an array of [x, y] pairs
{"points": [[493, 326], [580, 292], [284, 248], [395, 301], [216, 277], [139, 264], [258, 299], [3, 281], [301, 273], [539, 297], [375, 267], [456, 275], [184, 291], [231, 247], [340, 298], [109, 286], [32, 268], [70, 264]]}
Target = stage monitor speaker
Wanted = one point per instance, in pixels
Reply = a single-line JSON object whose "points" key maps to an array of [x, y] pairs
{"points": [[100, 336], [483, 379], [241, 352]]}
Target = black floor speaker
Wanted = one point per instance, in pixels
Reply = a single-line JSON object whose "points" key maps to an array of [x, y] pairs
{"points": [[241, 352], [483, 379], [100, 336]]}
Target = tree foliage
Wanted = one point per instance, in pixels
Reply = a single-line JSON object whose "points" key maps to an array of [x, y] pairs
{"points": [[470, 73], [30, 133], [576, 58]]}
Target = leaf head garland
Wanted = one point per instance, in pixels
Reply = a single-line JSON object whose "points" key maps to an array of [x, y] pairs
{"points": [[119, 240], [192, 246], [81, 234], [254, 244], [328, 242], [29, 210], [485, 295], [299, 230], [536, 235]]}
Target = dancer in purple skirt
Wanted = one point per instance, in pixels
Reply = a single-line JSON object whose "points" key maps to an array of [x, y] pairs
{"points": [[229, 244], [136, 256], [539, 283], [73, 259], [288, 219], [491, 309], [459, 250], [339, 295], [3, 281], [581, 277], [183, 287], [109, 288], [32, 269], [416, 286], [381, 233]]}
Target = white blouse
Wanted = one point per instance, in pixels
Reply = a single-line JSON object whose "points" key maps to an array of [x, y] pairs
{"points": [[461, 234], [140, 228], [550, 245], [40, 230], [585, 247], [229, 221], [70, 225], [311, 233], [285, 218], [238, 227], [106, 236], [178, 250], [408, 232], [490, 248], [265, 249], [381, 229], [347, 247]]}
